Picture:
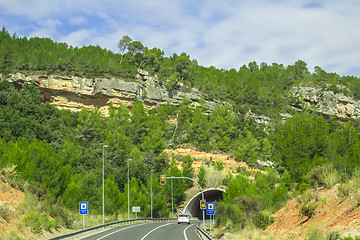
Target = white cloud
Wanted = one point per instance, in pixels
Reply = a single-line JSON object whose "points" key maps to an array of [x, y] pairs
{"points": [[78, 20], [79, 38]]}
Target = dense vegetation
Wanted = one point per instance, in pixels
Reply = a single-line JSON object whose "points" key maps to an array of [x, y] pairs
{"points": [[60, 152]]}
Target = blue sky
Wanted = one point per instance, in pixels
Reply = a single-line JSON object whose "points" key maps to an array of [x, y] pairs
{"points": [[222, 33]]}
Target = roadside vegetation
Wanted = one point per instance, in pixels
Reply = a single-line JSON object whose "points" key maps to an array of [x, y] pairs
{"points": [[57, 154]]}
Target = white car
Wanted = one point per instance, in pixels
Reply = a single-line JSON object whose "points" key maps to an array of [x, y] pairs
{"points": [[184, 218]]}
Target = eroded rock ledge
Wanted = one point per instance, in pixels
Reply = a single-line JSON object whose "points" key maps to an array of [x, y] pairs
{"points": [[73, 93], [327, 102]]}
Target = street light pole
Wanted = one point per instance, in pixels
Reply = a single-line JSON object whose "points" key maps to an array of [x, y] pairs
{"points": [[103, 177], [128, 189], [172, 199], [151, 171]]}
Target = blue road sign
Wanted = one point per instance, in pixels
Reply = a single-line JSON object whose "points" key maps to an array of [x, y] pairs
{"points": [[83, 208], [210, 208]]}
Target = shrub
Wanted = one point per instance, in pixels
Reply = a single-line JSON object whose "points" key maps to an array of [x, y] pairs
{"points": [[5, 212], [249, 203], [262, 220], [38, 222], [324, 175], [308, 209], [333, 236], [230, 216], [302, 187], [315, 234]]}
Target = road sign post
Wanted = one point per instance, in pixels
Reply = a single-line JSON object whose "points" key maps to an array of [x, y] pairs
{"points": [[83, 210], [210, 210], [135, 209]]}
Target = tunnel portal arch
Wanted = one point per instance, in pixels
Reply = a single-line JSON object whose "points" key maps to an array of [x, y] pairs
{"points": [[210, 195]]}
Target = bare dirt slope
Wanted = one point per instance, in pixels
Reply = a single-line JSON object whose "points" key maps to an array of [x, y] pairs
{"points": [[332, 213], [200, 158], [10, 200]]}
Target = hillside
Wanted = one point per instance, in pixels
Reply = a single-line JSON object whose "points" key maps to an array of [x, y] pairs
{"points": [[333, 213], [70, 117]]}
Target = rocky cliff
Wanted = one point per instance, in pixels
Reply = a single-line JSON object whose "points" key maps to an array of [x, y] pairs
{"points": [[327, 103], [73, 93]]}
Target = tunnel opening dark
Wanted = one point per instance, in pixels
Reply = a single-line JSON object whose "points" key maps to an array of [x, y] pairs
{"points": [[210, 195]]}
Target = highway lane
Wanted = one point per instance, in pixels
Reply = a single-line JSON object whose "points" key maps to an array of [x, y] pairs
{"points": [[150, 231]]}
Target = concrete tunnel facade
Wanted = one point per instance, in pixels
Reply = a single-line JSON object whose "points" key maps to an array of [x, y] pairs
{"points": [[210, 195]]}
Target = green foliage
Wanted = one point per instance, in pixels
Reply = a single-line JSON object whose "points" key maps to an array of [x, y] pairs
{"points": [[38, 222], [262, 220], [219, 165], [5, 212], [60, 153], [201, 176], [229, 216], [332, 235], [179, 185], [308, 209], [188, 169], [324, 175], [300, 143], [256, 198]]}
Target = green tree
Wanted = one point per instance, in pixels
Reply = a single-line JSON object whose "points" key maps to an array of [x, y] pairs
{"points": [[179, 185], [188, 169], [123, 45], [299, 143], [201, 176]]}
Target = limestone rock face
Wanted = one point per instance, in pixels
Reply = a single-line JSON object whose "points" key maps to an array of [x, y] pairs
{"points": [[73, 93], [328, 103]]}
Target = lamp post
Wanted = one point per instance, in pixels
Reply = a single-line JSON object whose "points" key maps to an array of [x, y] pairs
{"points": [[172, 199], [103, 195], [128, 189], [151, 171]]}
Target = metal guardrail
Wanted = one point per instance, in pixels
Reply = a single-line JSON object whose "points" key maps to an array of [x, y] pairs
{"points": [[204, 233], [97, 229]]}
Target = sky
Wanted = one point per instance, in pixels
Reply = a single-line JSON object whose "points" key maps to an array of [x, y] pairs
{"points": [[225, 34]]}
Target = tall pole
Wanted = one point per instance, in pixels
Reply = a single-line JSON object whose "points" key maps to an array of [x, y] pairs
{"points": [[151, 171], [103, 177], [172, 199], [128, 189]]}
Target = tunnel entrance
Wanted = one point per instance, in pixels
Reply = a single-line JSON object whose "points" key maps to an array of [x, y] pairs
{"points": [[210, 195]]}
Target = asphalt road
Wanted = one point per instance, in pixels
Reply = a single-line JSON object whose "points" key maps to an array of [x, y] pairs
{"points": [[150, 231]]}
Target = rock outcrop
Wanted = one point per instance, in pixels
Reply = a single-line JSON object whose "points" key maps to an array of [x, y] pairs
{"points": [[328, 103], [73, 93]]}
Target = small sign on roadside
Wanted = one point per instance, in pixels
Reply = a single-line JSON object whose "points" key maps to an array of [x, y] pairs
{"points": [[210, 208], [135, 209], [83, 208]]}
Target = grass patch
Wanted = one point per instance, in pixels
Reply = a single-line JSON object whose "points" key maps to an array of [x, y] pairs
{"points": [[5, 212]]}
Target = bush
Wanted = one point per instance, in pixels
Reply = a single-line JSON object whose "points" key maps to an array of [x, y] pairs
{"points": [[324, 175], [230, 216], [249, 203], [38, 222], [262, 220], [308, 209], [333, 236], [5, 212]]}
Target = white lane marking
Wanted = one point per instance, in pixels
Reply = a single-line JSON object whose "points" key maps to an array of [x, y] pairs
{"points": [[155, 230], [185, 231], [120, 230]]}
